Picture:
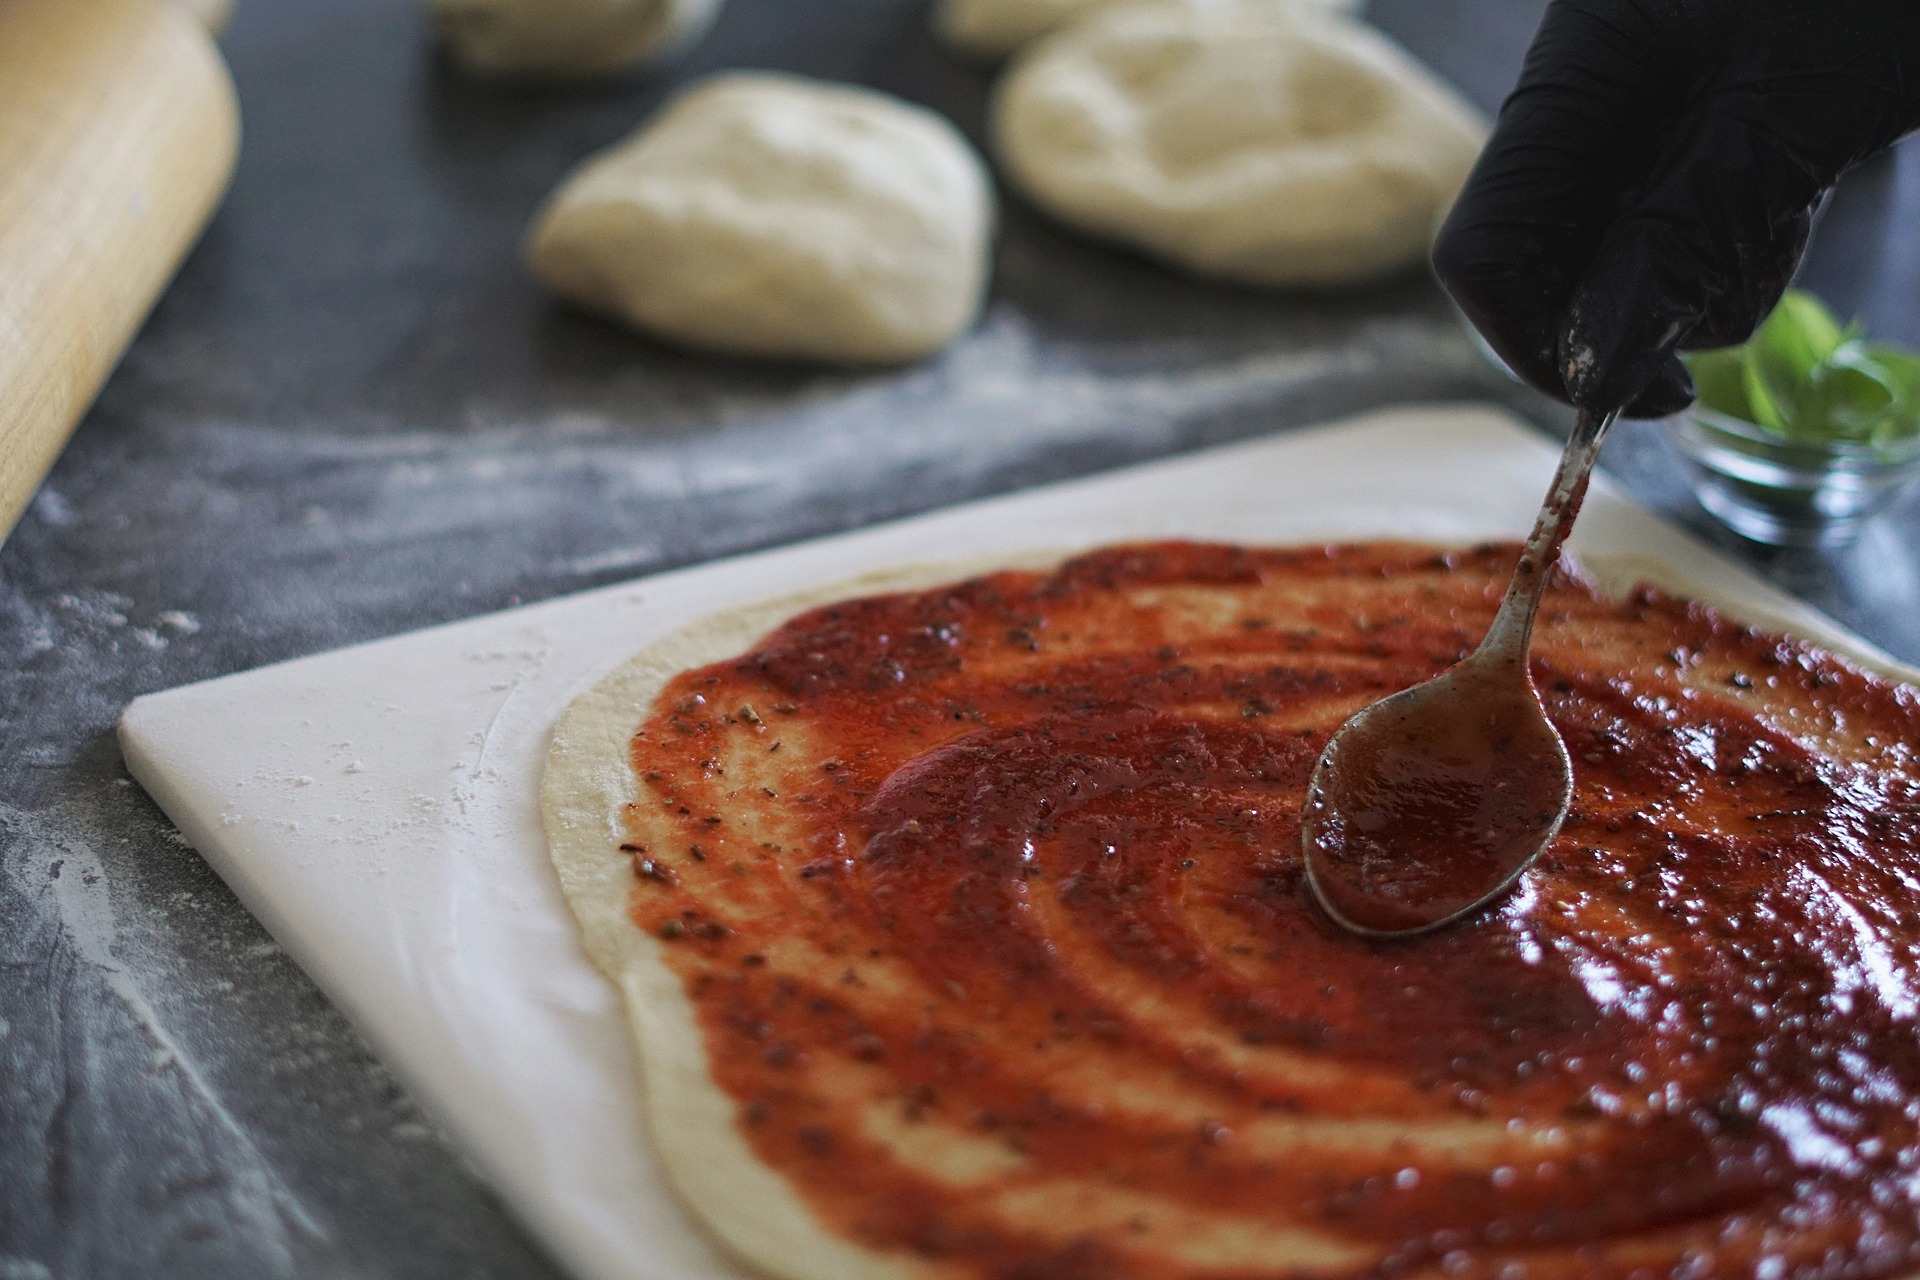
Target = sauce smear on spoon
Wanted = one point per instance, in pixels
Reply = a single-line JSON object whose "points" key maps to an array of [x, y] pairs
{"points": [[1428, 804]]}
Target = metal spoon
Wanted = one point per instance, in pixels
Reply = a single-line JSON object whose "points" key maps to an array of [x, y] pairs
{"points": [[1430, 803]]}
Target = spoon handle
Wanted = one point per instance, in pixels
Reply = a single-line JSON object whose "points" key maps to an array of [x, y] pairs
{"points": [[1512, 627]]}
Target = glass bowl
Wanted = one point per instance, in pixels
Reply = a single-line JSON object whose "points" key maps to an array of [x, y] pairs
{"points": [[1789, 493]]}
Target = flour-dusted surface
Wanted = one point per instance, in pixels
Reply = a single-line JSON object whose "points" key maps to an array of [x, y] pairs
{"points": [[354, 415], [377, 808]]}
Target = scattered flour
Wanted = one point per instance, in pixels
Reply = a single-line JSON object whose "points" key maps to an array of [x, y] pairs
{"points": [[65, 864]]}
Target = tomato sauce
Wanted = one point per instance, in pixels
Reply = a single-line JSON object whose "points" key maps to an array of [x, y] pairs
{"points": [[1436, 803], [989, 902]]}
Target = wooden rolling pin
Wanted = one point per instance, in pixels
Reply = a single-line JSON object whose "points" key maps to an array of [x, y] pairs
{"points": [[118, 130]]}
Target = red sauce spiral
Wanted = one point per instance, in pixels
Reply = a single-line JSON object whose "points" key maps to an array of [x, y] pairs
{"points": [[989, 901]]}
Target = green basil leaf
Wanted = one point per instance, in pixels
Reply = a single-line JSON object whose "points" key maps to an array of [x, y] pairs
{"points": [[1801, 332], [1903, 366], [1719, 377], [1806, 377], [1762, 400], [1849, 395], [1796, 339]]}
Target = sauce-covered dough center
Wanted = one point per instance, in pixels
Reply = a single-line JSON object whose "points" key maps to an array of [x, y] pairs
{"points": [[988, 901]]}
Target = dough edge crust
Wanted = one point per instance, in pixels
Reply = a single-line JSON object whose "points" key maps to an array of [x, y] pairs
{"points": [[753, 1212]]}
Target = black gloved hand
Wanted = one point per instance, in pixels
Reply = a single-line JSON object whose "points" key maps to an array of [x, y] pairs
{"points": [[1651, 181]]}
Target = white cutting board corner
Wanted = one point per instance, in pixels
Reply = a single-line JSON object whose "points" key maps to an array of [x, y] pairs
{"points": [[377, 807]]}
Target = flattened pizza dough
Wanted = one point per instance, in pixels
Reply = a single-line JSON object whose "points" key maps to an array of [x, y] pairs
{"points": [[1273, 144], [962, 934], [990, 28]]}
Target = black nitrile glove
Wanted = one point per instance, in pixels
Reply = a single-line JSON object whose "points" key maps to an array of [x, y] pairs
{"points": [[1651, 181]]}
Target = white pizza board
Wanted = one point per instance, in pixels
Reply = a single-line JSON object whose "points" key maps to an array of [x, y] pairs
{"points": [[377, 807]]}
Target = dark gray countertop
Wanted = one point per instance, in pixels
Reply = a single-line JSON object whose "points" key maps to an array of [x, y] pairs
{"points": [[354, 414]]}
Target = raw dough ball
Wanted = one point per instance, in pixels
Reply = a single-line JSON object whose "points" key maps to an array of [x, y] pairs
{"points": [[771, 215], [991, 28], [567, 37], [1247, 139]]}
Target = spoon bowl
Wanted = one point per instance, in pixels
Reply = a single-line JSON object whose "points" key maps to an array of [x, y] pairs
{"points": [[1407, 828], [1428, 804]]}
